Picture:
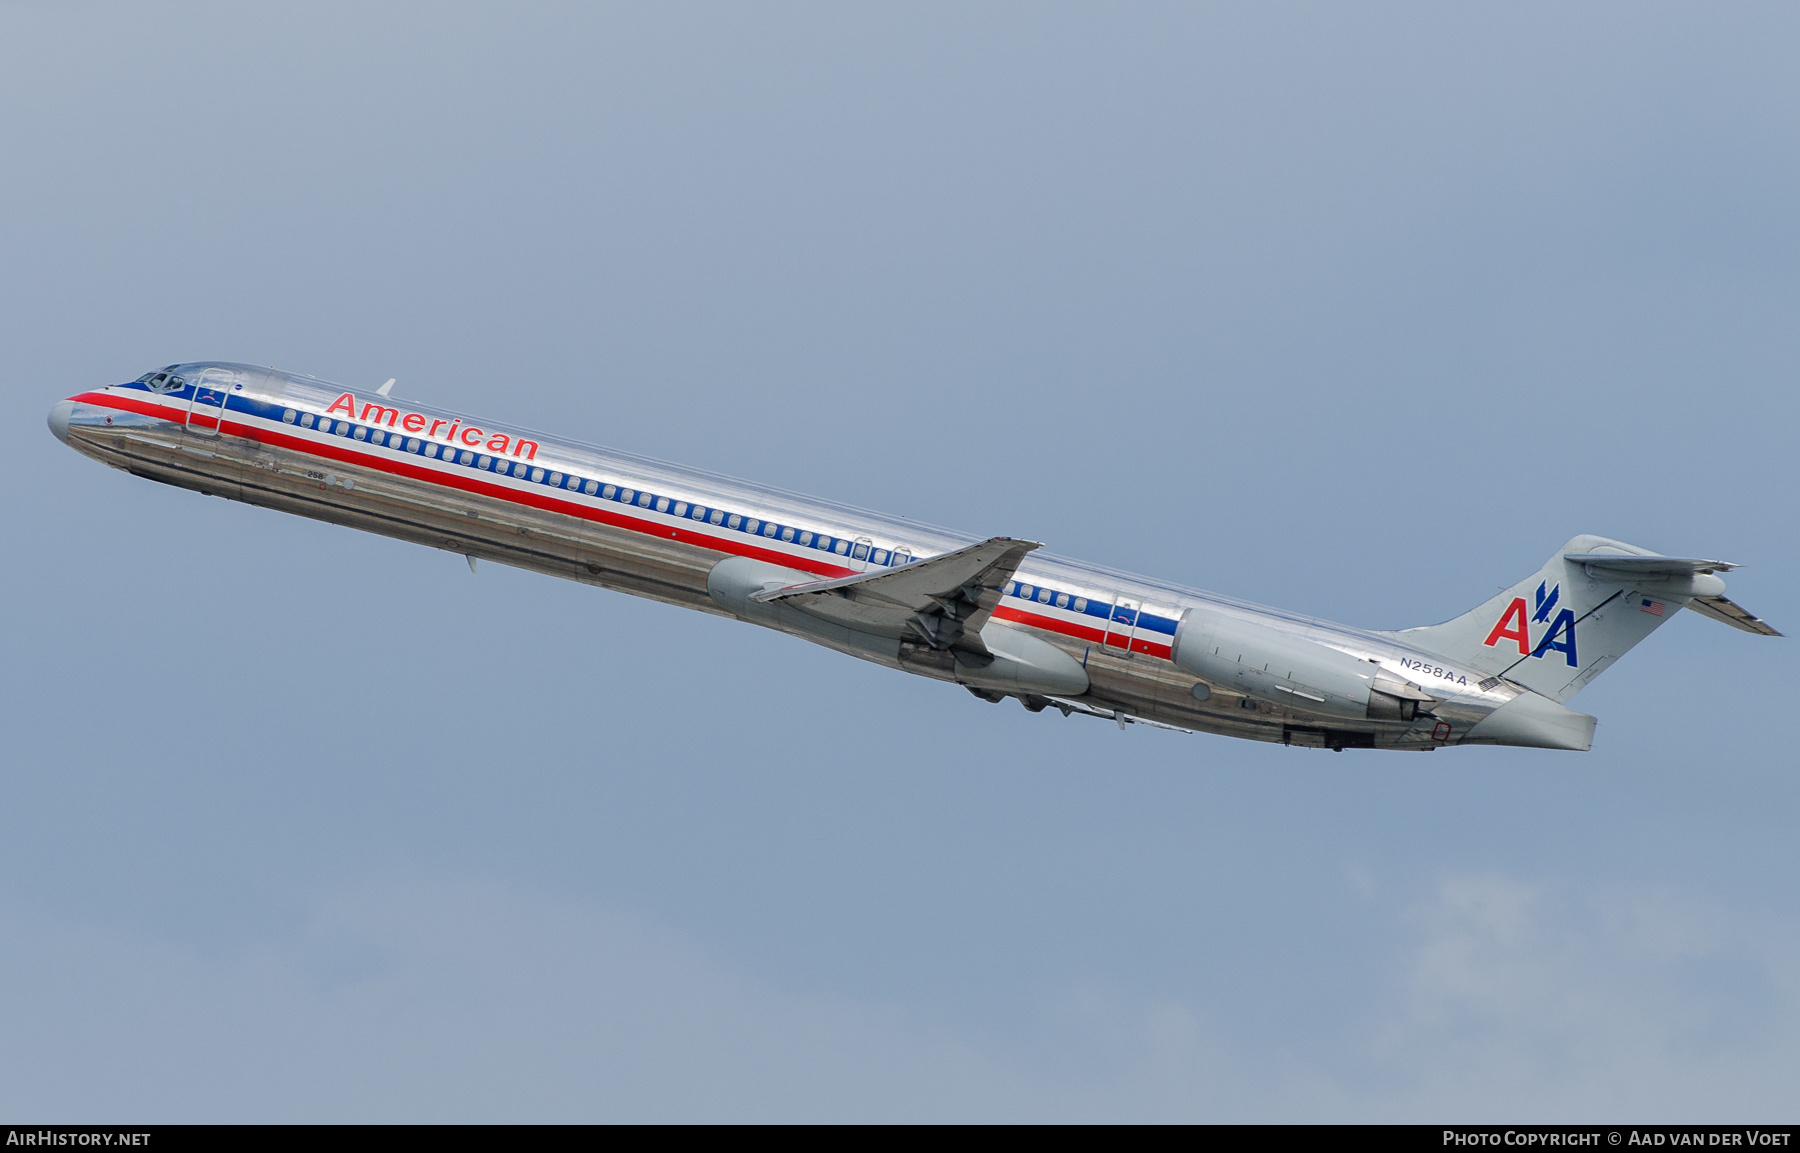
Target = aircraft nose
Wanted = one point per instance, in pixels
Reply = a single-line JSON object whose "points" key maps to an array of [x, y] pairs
{"points": [[59, 419]]}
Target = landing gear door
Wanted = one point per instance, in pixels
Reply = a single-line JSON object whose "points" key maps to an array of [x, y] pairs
{"points": [[206, 411]]}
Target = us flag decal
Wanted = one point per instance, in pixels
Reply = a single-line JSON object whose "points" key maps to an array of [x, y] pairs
{"points": [[1654, 608]]}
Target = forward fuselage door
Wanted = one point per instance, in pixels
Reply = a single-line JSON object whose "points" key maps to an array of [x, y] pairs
{"points": [[206, 410], [1121, 626]]}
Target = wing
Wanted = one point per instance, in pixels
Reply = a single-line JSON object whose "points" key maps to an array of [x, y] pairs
{"points": [[942, 601], [1731, 613]]}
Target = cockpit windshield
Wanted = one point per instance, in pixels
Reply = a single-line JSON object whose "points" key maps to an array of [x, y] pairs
{"points": [[163, 380]]}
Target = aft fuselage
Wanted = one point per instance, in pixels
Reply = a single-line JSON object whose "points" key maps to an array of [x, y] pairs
{"points": [[641, 526]]}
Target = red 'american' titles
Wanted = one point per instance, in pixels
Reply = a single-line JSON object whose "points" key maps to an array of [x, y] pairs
{"points": [[414, 422]]}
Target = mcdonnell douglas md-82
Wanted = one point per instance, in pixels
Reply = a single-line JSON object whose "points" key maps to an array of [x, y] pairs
{"points": [[997, 616]]}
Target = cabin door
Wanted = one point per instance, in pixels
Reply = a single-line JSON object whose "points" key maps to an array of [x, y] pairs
{"points": [[1121, 626], [206, 411]]}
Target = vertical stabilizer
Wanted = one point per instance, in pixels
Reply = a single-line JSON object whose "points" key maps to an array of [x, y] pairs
{"points": [[1561, 627]]}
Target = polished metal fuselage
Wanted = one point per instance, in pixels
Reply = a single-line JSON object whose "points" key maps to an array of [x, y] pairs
{"points": [[211, 439]]}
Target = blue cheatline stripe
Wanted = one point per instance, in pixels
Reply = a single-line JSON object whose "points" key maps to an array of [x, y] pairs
{"points": [[478, 461], [1027, 591], [637, 498]]}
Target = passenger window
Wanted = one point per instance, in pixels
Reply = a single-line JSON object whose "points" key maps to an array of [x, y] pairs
{"points": [[306, 421], [574, 483], [715, 517], [734, 521], [609, 491], [467, 457], [843, 547], [750, 525], [1043, 596], [880, 556], [862, 552], [412, 444], [698, 513], [431, 450], [627, 495], [902, 556], [288, 415], [769, 529], [823, 542], [787, 534], [486, 462], [662, 504], [1081, 604], [643, 500], [806, 539], [681, 508], [362, 433], [556, 478], [537, 474], [1025, 591], [1062, 600], [591, 487]]}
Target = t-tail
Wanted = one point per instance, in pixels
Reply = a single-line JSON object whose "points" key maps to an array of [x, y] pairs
{"points": [[1561, 627]]}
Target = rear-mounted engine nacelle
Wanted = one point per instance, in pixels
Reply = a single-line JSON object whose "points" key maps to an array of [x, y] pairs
{"points": [[1292, 672]]}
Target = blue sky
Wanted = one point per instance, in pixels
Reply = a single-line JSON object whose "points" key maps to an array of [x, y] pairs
{"points": [[1357, 311]]}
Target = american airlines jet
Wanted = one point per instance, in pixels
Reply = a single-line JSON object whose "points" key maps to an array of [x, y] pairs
{"points": [[998, 616]]}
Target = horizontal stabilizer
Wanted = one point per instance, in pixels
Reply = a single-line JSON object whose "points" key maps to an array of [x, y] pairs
{"points": [[1731, 613], [1636, 567], [1668, 572], [944, 600]]}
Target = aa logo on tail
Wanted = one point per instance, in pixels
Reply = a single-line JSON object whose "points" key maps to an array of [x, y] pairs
{"points": [[1558, 638]]}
